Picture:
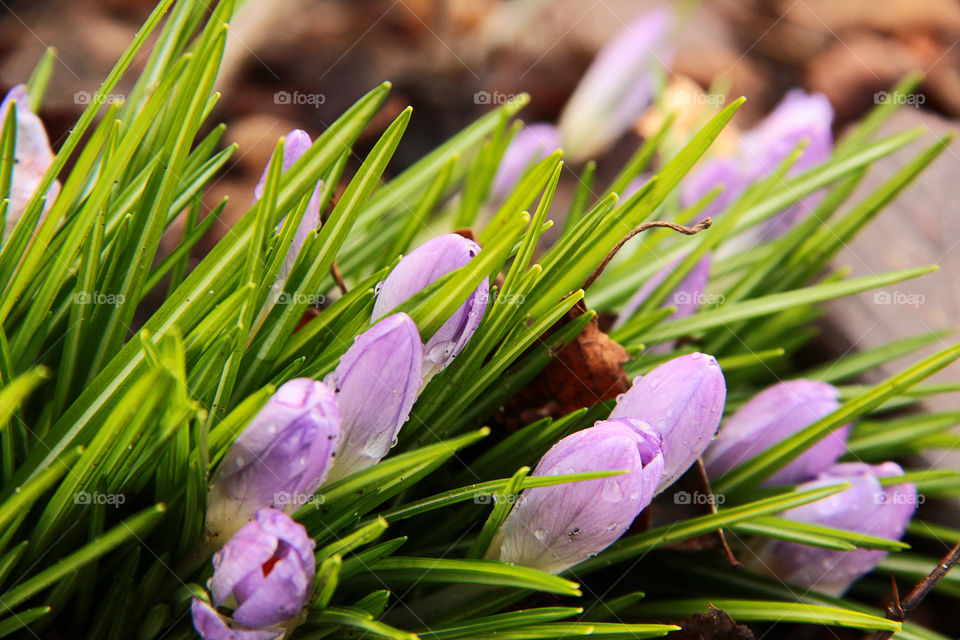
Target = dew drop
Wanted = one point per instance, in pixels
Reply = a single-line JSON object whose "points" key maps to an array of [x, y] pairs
{"points": [[540, 535], [612, 492]]}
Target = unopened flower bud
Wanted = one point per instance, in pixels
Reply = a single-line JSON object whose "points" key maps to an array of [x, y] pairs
{"points": [[618, 86], [553, 528], [866, 508], [295, 145], [682, 400], [771, 416], [531, 144], [32, 157], [377, 382], [422, 266], [279, 459]]}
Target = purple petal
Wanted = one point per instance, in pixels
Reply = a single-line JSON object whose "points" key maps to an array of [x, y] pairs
{"points": [[282, 456], [553, 528], [268, 567], [531, 144], [866, 508], [212, 626], [683, 401], [377, 382], [296, 144], [618, 86], [771, 416], [725, 172], [424, 265], [799, 116], [32, 155], [686, 297]]}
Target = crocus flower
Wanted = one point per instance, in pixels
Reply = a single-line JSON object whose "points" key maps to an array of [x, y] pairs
{"points": [[266, 569], [866, 507], [279, 459], [32, 156], [618, 86], [425, 264], [686, 296], [771, 416], [553, 528], [531, 144], [211, 625], [295, 145], [682, 401], [711, 173], [377, 382], [799, 116]]}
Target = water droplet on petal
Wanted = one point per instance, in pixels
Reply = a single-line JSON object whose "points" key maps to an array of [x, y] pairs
{"points": [[540, 535], [612, 491]]}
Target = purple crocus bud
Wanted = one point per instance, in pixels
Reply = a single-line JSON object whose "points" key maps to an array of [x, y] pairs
{"points": [[266, 568], [279, 459], [713, 172], [32, 157], [682, 400], [553, 528], [799, 116], [686, 297], [425, 264], [771, 416], [618, 86], [866, 507], [531, 144], [296, 144], [211, 625], [377, 382]]}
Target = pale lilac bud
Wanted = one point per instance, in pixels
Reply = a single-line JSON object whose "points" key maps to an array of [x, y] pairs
{"points": [[295, 145], [211, 625], [771, 416], [686, 297], [377, 382], [425, 264], [708, 175], [866, 508], [682, 400], [799, 116], [618, 86], [266, 569], [531, 144], [553, 528], [280, 458], [32, 157]]}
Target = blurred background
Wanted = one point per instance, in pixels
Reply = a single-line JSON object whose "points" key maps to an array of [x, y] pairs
{"points": [[300, 63]]}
